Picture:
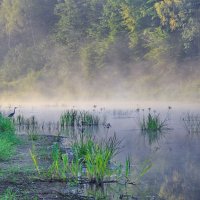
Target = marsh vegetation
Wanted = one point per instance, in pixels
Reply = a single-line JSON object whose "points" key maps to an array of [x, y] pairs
{"points": [[77, 161]]}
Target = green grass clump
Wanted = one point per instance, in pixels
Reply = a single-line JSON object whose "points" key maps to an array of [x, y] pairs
{"points": [[68, 118], [151, 125], [78, 118], [6, 126], [97, 164], [93, 156], [90, 161], [6, 149], [152, 122], [8, 195], [8, 139], [96, 156], [88, 119], [82, 143]]}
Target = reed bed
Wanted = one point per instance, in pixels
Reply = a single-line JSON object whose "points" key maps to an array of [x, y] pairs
{"points": [[152, 122], [91, 161], [78, 118]]}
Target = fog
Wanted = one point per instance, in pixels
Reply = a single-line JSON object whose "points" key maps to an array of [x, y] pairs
{"points": [[52, 56]]}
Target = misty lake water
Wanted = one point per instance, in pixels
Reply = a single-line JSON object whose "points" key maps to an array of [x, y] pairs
{"points": [[175, 154]]}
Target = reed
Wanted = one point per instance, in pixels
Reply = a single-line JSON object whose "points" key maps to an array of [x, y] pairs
{"points": [[92, 161], [33, 135], [34, 159], [127, 167], [96, 156], [68, 118], [152, 122], [54, 169], [88, 119], [78, 118]]}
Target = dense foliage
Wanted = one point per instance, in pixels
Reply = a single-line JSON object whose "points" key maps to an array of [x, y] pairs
{"points": [[76, 47]]}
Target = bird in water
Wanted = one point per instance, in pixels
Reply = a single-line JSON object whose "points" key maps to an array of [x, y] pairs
{"points": [[107, 125], [12, 114]]}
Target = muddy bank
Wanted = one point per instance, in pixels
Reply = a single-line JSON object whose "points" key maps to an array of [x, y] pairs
{"points": [[18, 173]]}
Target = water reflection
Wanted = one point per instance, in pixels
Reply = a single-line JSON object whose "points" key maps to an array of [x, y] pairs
{"points": [[153, 136], [118, 191], [191, 123], [175, 173]]}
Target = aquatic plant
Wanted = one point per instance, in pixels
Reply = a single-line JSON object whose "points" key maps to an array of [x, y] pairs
{"points": [[88, 119], [30, 123], [128, 167], [96, 156], [59, 164], [33, 135], [34, 159], [68, 118], [54, 169], [144, 168], [151, 121], [80, 148], [20, 120], [97, 164], [113, 144], [78, 118], [91, 161], [152, 126], [75, 169], [65, 167]]}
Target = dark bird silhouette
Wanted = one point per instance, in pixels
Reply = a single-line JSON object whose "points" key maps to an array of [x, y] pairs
{"points": [[12, 114], [108, 125]]}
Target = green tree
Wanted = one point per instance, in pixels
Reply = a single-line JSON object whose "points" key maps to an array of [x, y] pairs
{"points": [[11, 16]]}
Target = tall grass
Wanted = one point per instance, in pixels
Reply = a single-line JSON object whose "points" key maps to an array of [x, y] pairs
{"points": [[8, 139], [96, 156], [8, 195], [78, 118], [34, 159], [6, 126], [152, 121], [97, 164], [91, 160], [30, 123], [88, 119], [68, 118]]}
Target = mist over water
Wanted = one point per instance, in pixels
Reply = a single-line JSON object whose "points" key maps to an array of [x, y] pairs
{"points": [[107, 69]]}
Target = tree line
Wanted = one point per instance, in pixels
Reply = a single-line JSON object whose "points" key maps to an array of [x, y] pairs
{"points": [[148, 47]]}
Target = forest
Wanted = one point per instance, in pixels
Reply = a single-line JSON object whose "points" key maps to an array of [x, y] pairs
{"points": [[100, 49]]}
